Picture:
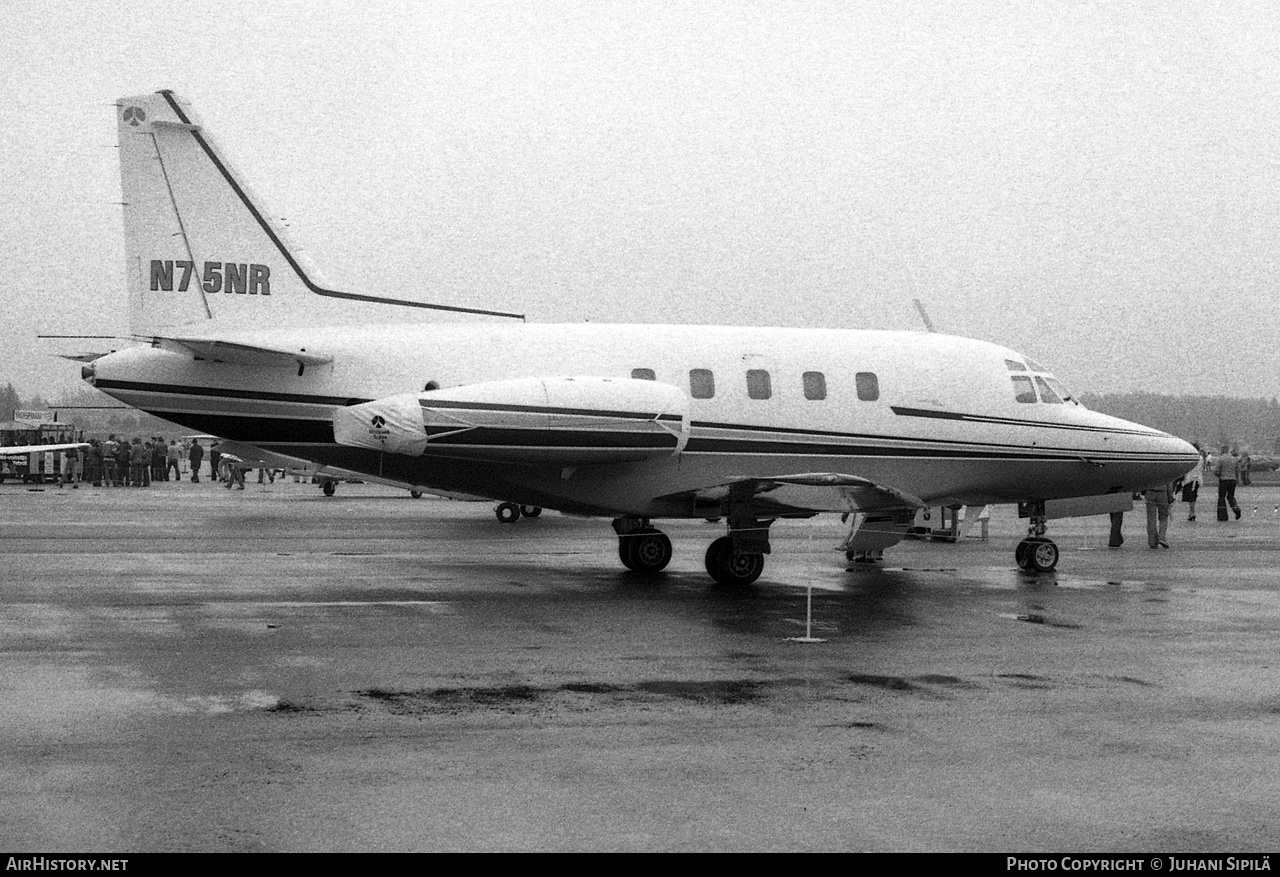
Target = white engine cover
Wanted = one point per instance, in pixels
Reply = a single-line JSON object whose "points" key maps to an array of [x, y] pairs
{"points": [[566, 421]]}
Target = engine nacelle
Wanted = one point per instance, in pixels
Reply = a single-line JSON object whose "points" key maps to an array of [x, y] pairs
{"points": [[565, 421]]}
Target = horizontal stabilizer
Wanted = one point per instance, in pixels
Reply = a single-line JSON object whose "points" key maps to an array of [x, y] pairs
{"points": [[236, 353]]}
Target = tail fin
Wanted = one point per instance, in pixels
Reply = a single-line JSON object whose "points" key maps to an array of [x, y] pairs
{"points": [[199, 244]]}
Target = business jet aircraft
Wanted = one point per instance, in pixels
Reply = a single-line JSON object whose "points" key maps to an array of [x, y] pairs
{"points": [[633, 423]]}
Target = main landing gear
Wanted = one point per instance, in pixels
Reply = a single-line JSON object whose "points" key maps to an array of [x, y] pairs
{"points": [[641, 547], [1036, 553], [736, 559], [729, 566], [509, 512]]}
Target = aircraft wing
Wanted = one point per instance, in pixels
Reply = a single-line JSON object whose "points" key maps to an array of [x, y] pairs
{"points": [[20, 450], [810, 492], [258, 458], [220, 350]]}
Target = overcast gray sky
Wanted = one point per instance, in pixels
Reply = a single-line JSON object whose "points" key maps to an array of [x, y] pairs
{"points": [[1095, 184]]}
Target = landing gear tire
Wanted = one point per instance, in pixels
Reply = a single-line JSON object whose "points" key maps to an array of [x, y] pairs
{"points": [[329, 488], [646, 552], [729, 567], [507, 513], [416, 494], [530, 511], [1036, 555]]}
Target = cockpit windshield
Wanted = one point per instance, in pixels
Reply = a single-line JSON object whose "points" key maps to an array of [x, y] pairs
{"points": [[1047, 388]]}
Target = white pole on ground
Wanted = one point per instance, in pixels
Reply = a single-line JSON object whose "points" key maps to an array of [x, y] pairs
{"points": [[808, 622], [808, 613]]}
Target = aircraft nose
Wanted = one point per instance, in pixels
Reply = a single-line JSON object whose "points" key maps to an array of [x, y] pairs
{"points": [[1183, 455]]}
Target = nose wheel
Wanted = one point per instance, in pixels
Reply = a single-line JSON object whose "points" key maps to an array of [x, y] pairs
{"points": [[1036, 554]]}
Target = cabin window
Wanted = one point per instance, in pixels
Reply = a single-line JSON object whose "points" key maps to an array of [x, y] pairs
{"points": [[1046, 392], [1023, 390], [759, 386], [1014, 366], [431, 385], [868, 386], [702, 383], [815, 386], [643, 374]]}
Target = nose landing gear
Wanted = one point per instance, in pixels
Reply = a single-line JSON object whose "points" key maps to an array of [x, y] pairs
{"points": [[1036, 553]]}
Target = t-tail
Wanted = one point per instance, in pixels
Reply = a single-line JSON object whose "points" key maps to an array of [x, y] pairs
{"points": [[200, 244]]}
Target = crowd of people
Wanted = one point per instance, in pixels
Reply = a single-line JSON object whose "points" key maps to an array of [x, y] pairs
{"points": [[120, 462]]}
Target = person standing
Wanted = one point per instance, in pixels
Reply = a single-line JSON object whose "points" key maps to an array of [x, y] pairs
{"points": [[1117, 530], [71, 468], [1226, 469], [110, 448], [140, 460], [1191, 490], [93, 463], [172, 455], [159, 469], [1158, 501], [196, 457]]}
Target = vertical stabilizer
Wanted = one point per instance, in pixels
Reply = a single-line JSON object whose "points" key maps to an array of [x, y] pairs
{"points": [[199, 244]]}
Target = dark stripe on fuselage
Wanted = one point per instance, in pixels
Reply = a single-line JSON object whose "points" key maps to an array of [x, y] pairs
{"points": [[342, 401], [1012, 421], [281, 430], [549, 438], [267, 429], [252, 430], [446, 405], [224, 393]]}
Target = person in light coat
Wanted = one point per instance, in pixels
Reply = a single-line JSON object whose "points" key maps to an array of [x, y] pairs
{"points": [[1158, 501]]}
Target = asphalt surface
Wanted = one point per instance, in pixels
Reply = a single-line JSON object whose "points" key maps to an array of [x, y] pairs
{"points": [[189, 668]]}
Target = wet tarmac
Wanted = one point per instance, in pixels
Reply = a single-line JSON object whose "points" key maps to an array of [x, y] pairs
{"points": [[190, 668]]}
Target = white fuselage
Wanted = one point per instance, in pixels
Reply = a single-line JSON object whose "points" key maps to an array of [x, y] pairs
{"points": [[932, 415]]}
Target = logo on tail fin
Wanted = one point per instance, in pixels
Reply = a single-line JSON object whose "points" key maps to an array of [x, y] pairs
{"points": [[135, 116]]}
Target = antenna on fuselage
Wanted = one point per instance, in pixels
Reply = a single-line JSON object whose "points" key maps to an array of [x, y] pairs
{"points": [[928, 324]]}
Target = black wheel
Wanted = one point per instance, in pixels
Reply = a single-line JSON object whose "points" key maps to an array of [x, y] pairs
{"points": [[530, 511], [329, 488], [1022, 554], [416, 494], [729, 567], [508, 512], [649, 551], [1043, 555]]}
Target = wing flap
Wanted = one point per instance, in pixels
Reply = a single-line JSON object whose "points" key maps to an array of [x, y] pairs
{"points": [[810, 492]]}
